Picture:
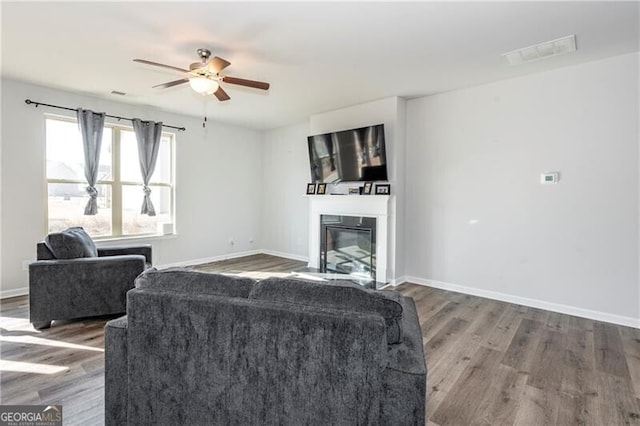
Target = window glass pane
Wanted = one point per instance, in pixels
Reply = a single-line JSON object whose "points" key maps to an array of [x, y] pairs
{"points": [[66, 208], [130, 166], [163, 165], [65, 155], [135, 223]]}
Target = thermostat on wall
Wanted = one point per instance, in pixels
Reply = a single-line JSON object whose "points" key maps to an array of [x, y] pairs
{"points": [[550, 177]]}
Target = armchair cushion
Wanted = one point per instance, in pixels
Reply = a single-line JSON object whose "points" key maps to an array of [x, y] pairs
{"points": [[72, 243], [340, 295], [183, 280]]}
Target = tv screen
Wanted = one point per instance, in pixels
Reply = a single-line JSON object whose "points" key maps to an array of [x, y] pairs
{"points": [[349, 155]]}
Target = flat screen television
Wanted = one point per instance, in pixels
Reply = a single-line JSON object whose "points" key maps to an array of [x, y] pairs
{"points": [[355, 155]]}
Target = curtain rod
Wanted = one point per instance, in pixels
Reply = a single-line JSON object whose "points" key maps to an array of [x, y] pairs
{"points": [[29, 102]]}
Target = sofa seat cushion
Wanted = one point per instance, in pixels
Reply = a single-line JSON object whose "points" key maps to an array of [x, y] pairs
{"points": [[72, 243], [335, 294], [184, 280]]}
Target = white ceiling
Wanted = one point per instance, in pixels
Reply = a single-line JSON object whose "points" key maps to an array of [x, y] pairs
{"points": [[317, 56]]}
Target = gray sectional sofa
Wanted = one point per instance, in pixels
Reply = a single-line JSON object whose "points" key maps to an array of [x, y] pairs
{"points": [[207, 349]]}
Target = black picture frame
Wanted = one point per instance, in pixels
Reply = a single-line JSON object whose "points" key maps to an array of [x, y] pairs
{"points": [[322, 189], [383, 189], [311, 188], [366, 190]]}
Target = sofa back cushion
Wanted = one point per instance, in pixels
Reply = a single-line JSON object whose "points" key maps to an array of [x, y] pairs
{"points": [[183, 280], [335, 294], [72, 243]]}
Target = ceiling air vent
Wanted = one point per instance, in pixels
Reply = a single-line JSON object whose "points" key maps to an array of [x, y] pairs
{"points": [[547, 49]]}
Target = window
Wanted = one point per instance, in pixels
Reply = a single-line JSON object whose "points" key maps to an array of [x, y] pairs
{"points": [[119, 182]]}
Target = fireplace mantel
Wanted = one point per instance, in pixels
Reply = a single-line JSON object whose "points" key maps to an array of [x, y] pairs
{"points": [[376, 206]]}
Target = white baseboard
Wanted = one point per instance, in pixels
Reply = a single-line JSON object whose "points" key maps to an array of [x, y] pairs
{"points": [[285, 255], [5, 294], [397, 281], [208, 259], [534, 303]]}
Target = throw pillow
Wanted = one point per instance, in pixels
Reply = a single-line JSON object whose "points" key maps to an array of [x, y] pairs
{"points": [[183, 280], [342, 295], [72, 243]]}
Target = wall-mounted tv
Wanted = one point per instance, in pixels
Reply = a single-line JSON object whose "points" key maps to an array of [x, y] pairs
{"points": [[349, 155]]}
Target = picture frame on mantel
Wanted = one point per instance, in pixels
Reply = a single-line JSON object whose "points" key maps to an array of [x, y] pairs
{"points": [[311, 188], [367, 188], [383, 189], [322, 189]]}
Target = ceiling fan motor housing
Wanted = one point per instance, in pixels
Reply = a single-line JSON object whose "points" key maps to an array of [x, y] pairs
{"points": [[204, 54]]}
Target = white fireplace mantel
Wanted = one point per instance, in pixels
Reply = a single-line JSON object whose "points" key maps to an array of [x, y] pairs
{"points": [[376, 206]]}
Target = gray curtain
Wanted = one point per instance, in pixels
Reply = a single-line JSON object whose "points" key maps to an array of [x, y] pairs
{"points": [[148, 135], [91, 125]]}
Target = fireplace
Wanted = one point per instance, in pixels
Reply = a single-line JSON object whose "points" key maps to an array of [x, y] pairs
{"points": [[361, 220], [348, 245]]}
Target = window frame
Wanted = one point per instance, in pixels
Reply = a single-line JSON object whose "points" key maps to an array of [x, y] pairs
{"points": [[116, 183]]}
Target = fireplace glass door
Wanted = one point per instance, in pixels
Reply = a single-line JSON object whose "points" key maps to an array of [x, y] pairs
{"points": [[348, 247]]}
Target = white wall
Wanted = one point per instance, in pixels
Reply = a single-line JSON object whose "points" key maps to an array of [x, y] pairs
{"points": [[218, 181], [477, 215], [399, 188], [285, 217]]}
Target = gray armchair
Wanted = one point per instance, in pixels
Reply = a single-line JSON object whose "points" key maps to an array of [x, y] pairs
{"points": [[73, 279]]}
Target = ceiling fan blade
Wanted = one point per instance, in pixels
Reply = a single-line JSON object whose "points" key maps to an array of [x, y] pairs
{"points": [[248, 83], [170, 84], [144, 61], [217, 64], [221, 94]]}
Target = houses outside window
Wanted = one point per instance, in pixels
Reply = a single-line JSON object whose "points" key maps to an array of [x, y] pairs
{"points": [[119, 182]]}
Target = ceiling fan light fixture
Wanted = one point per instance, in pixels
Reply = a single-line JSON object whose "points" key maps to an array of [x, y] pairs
{"points": [[203, 85]]}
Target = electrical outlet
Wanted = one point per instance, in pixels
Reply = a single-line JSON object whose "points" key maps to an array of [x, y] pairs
{"points": [[231, 242], [250, 240]]}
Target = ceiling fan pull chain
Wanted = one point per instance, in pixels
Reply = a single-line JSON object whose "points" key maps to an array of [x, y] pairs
{"points": [[204, 112]]}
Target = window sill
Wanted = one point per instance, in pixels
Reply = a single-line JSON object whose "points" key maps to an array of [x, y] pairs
{"points": [[136, 238]]}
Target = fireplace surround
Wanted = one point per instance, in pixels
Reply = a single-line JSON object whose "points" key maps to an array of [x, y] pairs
{"points": [[374, 207]]}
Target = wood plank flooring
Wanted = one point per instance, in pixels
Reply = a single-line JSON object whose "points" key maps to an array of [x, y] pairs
{"points": [[490, 363]]}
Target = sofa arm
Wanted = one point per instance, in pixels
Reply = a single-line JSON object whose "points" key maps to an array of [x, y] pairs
{"points": [[116, 369], [143, 250], [405, 378], [75, 288]]}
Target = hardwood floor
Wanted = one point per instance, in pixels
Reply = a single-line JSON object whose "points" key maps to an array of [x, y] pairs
{"points": [[490, 363], [255, 264]]}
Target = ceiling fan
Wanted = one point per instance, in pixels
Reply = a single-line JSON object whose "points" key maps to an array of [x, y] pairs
{"points": [[204, 77]]}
